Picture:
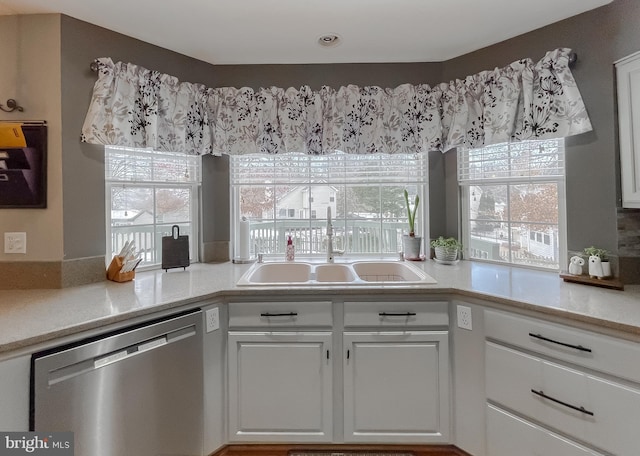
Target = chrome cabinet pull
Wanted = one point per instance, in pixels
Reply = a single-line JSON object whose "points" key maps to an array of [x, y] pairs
{"points": [[285, 314], [557, 401], [546, 339], [397, 314]]}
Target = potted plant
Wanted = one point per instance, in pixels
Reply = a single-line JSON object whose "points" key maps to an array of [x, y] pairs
{"points": [[446, 249], [411, 243], [599, 265]]}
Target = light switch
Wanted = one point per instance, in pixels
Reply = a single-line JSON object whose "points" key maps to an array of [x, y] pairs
{"points": [[15, 242]]}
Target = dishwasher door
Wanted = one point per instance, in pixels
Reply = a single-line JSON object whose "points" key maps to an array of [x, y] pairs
{"points": [[135, 392]]}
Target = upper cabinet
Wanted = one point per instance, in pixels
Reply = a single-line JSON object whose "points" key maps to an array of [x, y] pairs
{"points": [[628, 76]]}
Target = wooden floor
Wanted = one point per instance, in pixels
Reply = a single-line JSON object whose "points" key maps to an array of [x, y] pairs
{"points": [[283, 450]]}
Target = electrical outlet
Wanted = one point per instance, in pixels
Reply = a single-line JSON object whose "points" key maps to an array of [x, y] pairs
{"points": [[15, 242], [213, 319], [464, 317]]}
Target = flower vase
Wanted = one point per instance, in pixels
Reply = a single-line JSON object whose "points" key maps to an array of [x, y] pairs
{"points": [[411, 246]]}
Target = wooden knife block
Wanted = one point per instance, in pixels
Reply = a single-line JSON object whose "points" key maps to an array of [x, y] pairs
{"points": [[113, 271]]}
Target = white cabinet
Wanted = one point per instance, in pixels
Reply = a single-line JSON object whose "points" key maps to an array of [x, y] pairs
{"points": [[214, 351], [280, 371], [391, 384], [14, 393], [280, 386], [628, 77], [565, 382], [396, 372], [508, 435], [396, 387]]}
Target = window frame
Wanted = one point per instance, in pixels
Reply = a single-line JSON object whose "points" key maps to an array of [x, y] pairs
{"points": [[194, 187], [422, 223], [464, 189]]}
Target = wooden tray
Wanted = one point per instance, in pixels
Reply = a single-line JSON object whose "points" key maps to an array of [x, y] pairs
{"points": [[586, 280]]}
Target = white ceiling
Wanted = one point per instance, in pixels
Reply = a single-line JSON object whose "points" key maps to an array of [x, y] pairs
{"points": [[287, 31]]}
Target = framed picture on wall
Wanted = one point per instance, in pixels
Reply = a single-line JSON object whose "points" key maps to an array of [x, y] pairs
{"points": [[23, 165]]}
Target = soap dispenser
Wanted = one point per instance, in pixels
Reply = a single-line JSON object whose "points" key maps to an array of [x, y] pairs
{"points": [[290, 252]]}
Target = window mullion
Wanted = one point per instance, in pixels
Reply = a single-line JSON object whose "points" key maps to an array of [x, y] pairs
{"points": [[509, 230]]}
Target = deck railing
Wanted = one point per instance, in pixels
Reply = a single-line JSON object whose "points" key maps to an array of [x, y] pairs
{"points": [[269, 237], [310, 237], [148, 239]]}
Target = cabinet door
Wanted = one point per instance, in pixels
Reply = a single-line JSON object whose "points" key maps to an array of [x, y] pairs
{"points": [[396, 387], [508, 435], [628, 75], [14, 393], [280, 387]]}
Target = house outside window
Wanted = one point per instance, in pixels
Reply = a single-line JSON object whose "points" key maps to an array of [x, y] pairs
{"points": [[513, 203], [364, 192], [148, 192]]}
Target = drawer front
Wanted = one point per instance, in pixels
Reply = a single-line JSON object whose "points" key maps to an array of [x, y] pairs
{"points": [[395, 314], [508, 435], [598, 352], [280, 314], [599, 412]]}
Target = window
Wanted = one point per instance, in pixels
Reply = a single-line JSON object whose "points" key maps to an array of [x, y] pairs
{"points": [[147, 193], [364, 192], [513, 205]]}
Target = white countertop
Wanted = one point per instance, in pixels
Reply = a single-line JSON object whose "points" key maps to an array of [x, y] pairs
{"points": [[29, 317]]}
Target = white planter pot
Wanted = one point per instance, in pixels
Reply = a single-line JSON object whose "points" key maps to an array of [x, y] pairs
{"points": [[446, 254], [411, 246], [598, 268]]}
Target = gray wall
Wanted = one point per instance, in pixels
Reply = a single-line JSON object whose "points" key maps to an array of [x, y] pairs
{"points": [[600, 37], [332, 75]]}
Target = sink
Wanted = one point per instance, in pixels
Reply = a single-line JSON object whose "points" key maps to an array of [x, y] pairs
{"points": [[353, 273], [334, 273], [382, 271], [280, 273]]}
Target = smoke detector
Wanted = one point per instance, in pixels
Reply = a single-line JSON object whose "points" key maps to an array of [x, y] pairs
{"points": [[329, 40]]}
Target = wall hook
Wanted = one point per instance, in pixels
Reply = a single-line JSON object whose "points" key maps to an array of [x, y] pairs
{"points": [[12, 105]]}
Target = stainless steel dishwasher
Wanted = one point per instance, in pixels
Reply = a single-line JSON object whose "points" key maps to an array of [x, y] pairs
{"points": [[137, 391]]}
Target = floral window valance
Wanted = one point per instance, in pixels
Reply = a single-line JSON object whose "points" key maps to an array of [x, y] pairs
{"points": [[136, 107]]}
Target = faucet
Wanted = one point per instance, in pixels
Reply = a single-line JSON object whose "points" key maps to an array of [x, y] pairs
{"points": [[330, 250]]}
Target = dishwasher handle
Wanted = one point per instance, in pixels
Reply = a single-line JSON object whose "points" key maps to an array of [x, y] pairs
{"points": [[64, 373], [128, 352]]}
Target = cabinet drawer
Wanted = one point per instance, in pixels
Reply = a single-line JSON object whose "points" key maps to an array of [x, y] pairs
{"points": [[508, 435], [598, 352], [280, 314], [395, 314], [596, 411]]}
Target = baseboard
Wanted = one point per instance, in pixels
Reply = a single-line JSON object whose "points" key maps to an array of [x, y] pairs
{"points": [[284, 449]]}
